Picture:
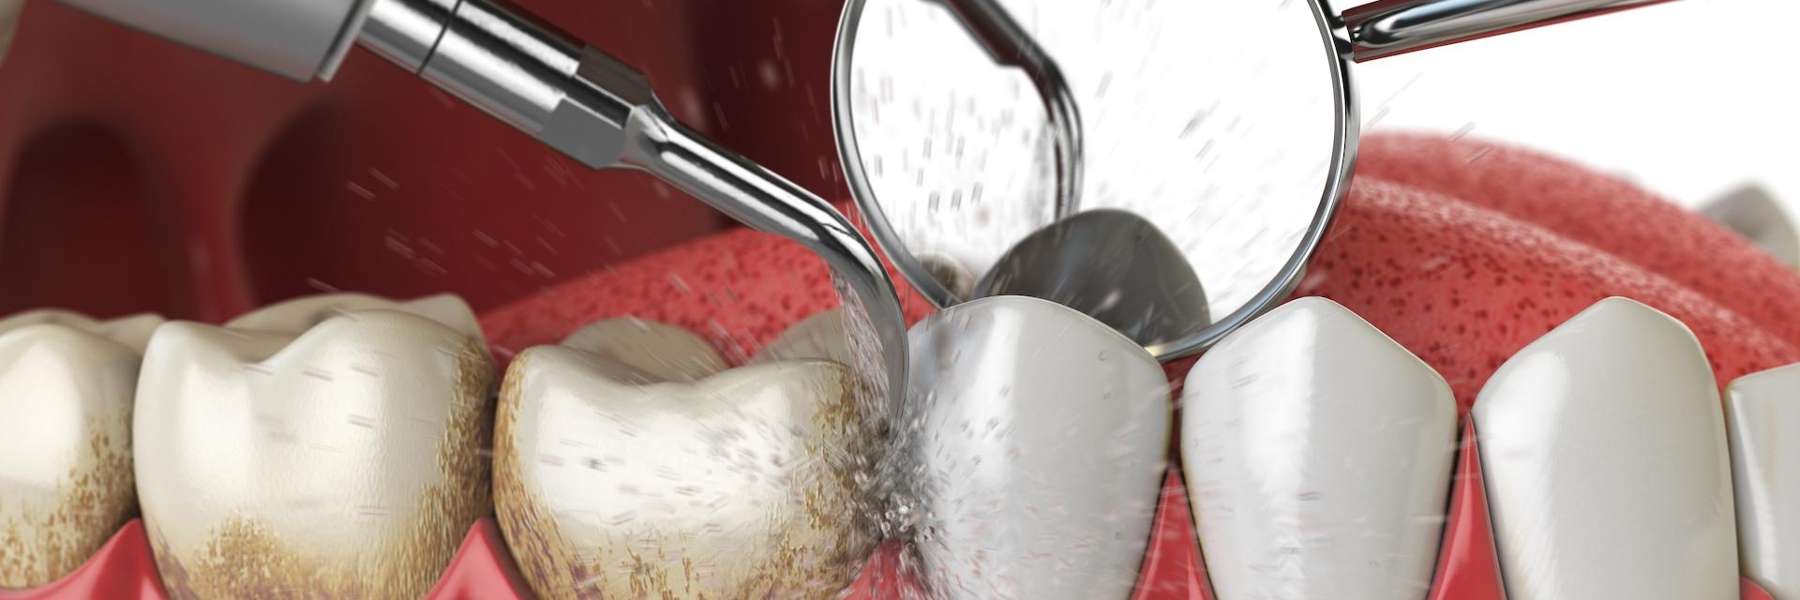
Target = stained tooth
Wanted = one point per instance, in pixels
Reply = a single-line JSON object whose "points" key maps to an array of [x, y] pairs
{"points": [[628, 464], [66, 384], [1040, 437], [1604, 453], [330, 453], [1317, 453], [1763, 416]]}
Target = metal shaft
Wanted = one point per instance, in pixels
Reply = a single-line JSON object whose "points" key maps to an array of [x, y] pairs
{"points": [[1392, 27], [604, 114]]}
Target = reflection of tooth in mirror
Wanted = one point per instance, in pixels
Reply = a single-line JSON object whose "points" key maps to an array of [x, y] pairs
{"points": [[1113, 265], [949, 273], [1223, 140]]}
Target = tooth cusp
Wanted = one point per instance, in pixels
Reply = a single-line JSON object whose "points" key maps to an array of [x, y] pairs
{"points": [[742, 483], [346, 462], [66, 482]]}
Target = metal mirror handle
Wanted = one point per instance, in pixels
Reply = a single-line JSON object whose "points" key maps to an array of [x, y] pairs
{"points": [[1390, 27]]}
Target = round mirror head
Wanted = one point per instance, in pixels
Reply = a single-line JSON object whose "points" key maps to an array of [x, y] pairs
{"points": [[1217, 139]]}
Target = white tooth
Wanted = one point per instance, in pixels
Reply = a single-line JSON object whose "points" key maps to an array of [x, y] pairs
{"points": [[662, 352], [133, 332], [1754, 213], [1040, 439], [1317, 453], [295, 316], [1603, 449], [66, 385], [1763, 417], [628, 465], [345, 462]]}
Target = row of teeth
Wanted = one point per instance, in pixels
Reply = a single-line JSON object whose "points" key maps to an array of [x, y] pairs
{"points": [[338, 445]]}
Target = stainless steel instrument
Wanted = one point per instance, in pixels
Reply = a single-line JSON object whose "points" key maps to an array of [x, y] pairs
{"points": [[1229, 125], [1221, 132]]}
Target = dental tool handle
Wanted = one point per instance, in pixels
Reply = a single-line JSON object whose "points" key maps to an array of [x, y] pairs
{"points": [[604, 114], [1009, 44], [576, 99], [1390, 27], [768, 202]]}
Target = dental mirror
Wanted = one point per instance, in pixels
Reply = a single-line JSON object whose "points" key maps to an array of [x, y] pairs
{"points": [[1229, 127]]}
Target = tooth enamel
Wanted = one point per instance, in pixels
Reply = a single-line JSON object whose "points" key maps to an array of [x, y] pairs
{"points": [[628, 465], [66, 385], [344, 461], [1040, 439], [1317, 453], [1603, 448], [1762, 418], [820, 336], [1754, 213], [296, 316]]}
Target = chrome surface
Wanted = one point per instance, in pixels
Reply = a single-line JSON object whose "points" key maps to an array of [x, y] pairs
{"points": [[767, 202], [1109, 264], [406, 31], [1236, 144], [604, 114], [1389, 28], [302, 40]]}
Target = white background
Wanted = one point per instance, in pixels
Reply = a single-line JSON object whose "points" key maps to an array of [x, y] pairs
{"points": [[1689, 98]]}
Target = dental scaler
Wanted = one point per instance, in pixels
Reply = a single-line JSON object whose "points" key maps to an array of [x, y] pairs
{"points": [[580, 101]]}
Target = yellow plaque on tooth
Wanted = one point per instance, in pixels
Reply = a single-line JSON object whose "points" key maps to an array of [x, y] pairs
{"points": [[348, 461], [626, 477], [66, 388]]}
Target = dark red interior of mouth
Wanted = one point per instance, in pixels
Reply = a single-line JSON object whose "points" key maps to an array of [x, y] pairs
{"points": [[138, 176]]}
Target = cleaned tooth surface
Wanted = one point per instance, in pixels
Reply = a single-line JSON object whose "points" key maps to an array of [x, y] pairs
{"points": [[1763, 418], [1317, 453], [66, 385], [627, 464], [1603, 448], [345, 461], [1039, 438]]}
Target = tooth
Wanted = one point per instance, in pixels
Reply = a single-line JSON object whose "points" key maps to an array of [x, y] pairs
{"points": [[1762, 416], [1603, 449], [300, 314], [1754, 213], [1317, 453], [315, 455], [1039, 437], [66, 385], [820, 336], [628, 464]]}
